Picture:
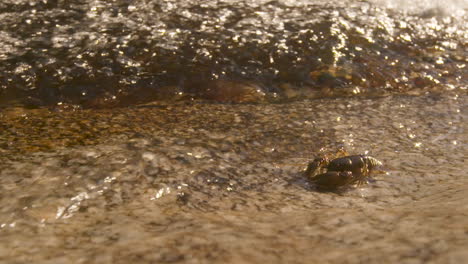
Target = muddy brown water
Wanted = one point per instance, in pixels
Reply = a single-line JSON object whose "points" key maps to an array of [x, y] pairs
{"points": [[209, 183]]}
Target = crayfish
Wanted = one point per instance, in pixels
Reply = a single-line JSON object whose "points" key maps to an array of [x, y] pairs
{"points": [[344, 170]]}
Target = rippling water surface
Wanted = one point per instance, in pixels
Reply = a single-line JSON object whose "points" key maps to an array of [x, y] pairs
{"points": [[177, 132], [107, 53]]}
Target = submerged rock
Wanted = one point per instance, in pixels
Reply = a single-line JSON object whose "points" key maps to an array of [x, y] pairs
{"points": [[101, 54]]}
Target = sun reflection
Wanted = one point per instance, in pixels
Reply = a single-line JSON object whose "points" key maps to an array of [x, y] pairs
{"points": [[160, 193], [173, 42]]}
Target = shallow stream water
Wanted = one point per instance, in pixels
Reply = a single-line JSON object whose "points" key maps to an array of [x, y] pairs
{"points": [[176, 132], [224, 183], [102, 54]]}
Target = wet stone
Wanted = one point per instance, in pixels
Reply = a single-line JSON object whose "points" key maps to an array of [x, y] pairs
{"points": [[104, 55], [147, 184]]}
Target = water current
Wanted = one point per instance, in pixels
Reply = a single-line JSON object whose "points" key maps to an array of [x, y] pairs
{"points": [[155, 131], [108, 53]]}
